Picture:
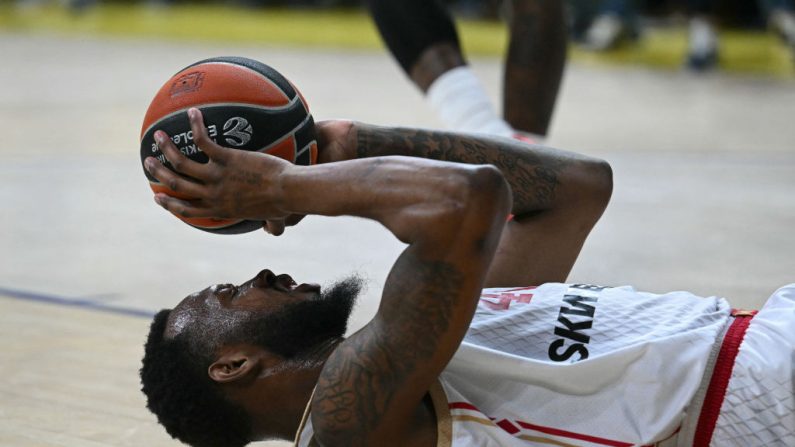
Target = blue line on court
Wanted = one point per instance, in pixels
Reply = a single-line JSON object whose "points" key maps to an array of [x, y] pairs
{"points": [[75, 302]]}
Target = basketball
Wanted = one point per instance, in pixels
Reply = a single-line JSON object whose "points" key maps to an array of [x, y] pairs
{"points": [[246, 105]]}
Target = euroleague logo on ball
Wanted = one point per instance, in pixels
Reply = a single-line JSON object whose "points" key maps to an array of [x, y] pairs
{"points": [[187, 83], [238, 130]]}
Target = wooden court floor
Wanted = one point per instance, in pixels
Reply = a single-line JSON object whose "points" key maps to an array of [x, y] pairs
{"points": [[70, 378]]}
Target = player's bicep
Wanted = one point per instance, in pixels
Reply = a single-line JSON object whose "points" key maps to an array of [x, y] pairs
{"points": [[540, 250], [542, 246]]}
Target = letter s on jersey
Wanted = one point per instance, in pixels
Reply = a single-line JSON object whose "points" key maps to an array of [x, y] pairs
{"points": [[576, 348]]}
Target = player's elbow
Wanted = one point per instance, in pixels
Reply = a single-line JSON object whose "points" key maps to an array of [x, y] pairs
{"points": [[484, 204], [599, 182], [473, 190], [587, 187], [585, 190], [462, 201], [490, 190]]}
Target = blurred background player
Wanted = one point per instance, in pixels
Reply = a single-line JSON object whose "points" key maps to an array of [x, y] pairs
{"points": [[608, 23], [422, 37], [703, 37]]}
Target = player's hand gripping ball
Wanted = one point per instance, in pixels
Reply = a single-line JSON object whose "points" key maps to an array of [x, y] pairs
{"points": [[246, 105]]}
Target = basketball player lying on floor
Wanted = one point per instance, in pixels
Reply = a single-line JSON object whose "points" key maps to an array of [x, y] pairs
{"points": [[461, 351]]}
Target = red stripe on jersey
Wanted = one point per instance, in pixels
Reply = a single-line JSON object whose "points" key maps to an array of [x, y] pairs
{"points": [[573, 435], [519, 288], [509, 427], [506, 425], [719, 382], [463, 405]]}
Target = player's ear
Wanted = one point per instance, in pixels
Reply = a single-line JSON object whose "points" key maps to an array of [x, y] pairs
{"points": [[235, 363]]}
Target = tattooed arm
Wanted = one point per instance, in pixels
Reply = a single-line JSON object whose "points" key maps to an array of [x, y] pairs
{"points": [[558, 196], [451, 216], [372, 384]]}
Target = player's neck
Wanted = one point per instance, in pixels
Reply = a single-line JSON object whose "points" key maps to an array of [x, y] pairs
{"points": [[279, 408]]}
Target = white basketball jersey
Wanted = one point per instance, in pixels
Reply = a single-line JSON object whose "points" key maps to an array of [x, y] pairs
{"points": [[580, 365]]}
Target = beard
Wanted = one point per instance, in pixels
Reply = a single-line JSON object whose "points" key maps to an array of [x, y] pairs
{"points": [[300, 327]]}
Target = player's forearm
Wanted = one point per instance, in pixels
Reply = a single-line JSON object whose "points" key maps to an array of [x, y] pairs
{"points": [[407, 195], [382, 372], [540, 178]]}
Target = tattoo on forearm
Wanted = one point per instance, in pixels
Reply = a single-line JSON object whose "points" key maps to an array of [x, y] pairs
{"points": [[532, 173], [359, 380]]}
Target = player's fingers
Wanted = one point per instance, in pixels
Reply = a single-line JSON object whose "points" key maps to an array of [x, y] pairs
{"points": [[293, 219], [179, 207], [177, 159], [274, 227], [173, 180], [215, 152]]}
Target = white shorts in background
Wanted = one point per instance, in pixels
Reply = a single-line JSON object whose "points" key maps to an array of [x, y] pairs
{"points": [[759, 408]]}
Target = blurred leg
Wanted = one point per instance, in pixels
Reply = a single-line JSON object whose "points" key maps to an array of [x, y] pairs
{"points": [[780, 15], [581, 15], [700, 7], [702, 53], [534, 64], [433, 62], [769, 6], [615, 24], [421, 35]]}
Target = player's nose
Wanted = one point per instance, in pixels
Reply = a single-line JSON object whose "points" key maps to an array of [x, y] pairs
{"points": [[264, 279]]}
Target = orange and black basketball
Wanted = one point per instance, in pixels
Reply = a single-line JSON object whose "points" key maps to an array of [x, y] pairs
{"points": [[246, 105]]}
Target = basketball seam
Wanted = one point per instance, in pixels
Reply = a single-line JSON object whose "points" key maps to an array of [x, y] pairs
{"points": [[215, 228], [303, 149], [290, 133], [237, 64], [219, 104], [267, 79]]}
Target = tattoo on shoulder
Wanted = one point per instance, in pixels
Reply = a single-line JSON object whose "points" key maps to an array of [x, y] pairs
{"points": [[532, 173], [361, 377]]}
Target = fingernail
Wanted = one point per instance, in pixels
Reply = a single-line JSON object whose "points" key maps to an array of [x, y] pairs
{"points": [[192, 113], [157, 199], [148, 163], [159, 137]]}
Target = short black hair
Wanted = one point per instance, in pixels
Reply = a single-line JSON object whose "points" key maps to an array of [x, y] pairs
{"points": [[184, 398]]}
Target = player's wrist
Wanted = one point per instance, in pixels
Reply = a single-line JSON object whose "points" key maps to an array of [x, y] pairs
{"points": [[336, 140], [292, 188]]}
